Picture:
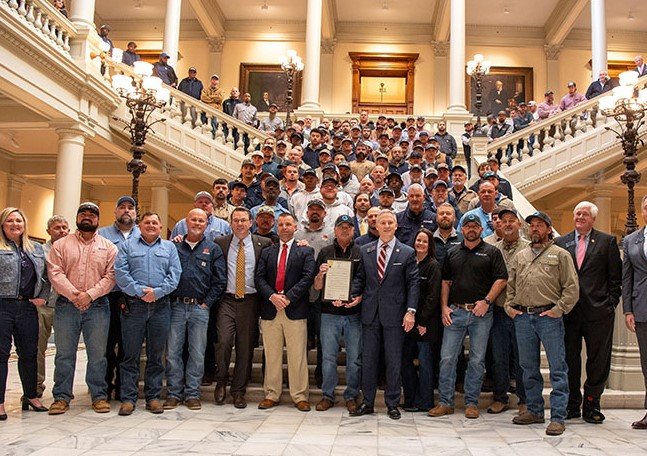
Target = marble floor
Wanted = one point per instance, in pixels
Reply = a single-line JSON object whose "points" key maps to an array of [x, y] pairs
{"points": [[286, 431]]}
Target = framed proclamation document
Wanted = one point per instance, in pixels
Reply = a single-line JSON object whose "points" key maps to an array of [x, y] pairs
{"points": [[338, 280]]}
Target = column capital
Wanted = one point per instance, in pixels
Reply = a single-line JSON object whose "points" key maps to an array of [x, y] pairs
{"points": [[552, 51], [66, 129], [328, 46], [216, 43], [16, 181], [441, 48]]}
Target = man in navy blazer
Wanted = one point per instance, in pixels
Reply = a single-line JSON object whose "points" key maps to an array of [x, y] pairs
{"points": [[386, 284], [634, 294], [284, 274], [597, 259]]}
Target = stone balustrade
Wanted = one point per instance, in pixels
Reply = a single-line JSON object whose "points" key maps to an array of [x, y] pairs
{"points": [[44, 18]]}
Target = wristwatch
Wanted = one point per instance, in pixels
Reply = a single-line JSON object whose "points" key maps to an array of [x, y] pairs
{"points": [[487, 301]]}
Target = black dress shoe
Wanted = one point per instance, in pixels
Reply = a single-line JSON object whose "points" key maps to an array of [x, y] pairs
{"points": [[3, 417], [591, 410], [573, 413], [642, 424], [393, 413], [411, 408], [26, 404], [220, 393], [364, 409]]}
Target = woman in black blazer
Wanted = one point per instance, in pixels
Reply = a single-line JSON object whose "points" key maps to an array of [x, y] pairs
{"points": [[417, 356]]}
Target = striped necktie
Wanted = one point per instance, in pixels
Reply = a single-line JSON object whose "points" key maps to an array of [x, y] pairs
{"points": [[381, 262]]}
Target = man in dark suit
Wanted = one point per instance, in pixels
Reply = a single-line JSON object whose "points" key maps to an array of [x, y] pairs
{"points": [[641, 68], [634, 295], [284, 274], [597, 260], [386, 284], [237, 313]]}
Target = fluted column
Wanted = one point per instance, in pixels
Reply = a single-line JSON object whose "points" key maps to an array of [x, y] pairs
{"points": [[172, 30], [598, 37], [69, 172], [457, 57], [310, 98]]}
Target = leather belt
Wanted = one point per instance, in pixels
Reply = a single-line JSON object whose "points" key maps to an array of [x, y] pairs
{"points": [[466, 306], [235, 298], [187, 300], [533, 310]]}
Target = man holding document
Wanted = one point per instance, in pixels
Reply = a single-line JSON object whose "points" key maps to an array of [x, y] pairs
{"points": [[336, 266]]}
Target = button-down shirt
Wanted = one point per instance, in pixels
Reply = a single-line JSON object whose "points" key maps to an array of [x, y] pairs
{"points": [[142, 265], [75, 265], [269, 124], [281, 244], [245, 112], [224, 212], [216, 227], [53, 295], [568, 100], [250, 264], [117, 237], [587, 239], [389, 250]]}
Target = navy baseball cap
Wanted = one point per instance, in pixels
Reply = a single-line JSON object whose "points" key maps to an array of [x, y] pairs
{"points": [[126, 199], [344, 219], [540, 215], [469, 218]]}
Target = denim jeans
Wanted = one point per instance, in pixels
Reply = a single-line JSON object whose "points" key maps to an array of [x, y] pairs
{"points": [[19, 320], [504, 355], [333, 328], [464, 322], [418, 385], [533, 330], [153, 322], [69, 324], [188, 321]]}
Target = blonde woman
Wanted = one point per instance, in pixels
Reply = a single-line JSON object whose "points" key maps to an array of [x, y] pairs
{"points": [[23, 287]]}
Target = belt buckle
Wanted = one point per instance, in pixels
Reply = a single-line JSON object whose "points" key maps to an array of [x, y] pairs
{"points": [[187, 300], [531, 311], [470, 306]]}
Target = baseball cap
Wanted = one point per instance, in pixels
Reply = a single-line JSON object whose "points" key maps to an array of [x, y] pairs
{"points": [[386, 190], [548, 92], [164, 55], [440, 183], [324, 151], [459, 168], [193, 69], [316, 202], [540, 215], [88, 206], [489, 174], [247, 162], [256, 153], [215, 76], [203, 195], [344, 219], [265, 210], [239, 184], [393, 174], [430, 171], [272, 180], [309, 172], [126, 199], [507, 210], [345, 164], [329, 179], [471, 218]]}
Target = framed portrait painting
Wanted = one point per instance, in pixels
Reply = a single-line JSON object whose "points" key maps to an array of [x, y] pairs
{"points": [[503, 88], [268, 84]]}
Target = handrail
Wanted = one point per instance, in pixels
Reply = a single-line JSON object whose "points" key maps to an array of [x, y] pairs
{"points": [[182, 106], [42, 16], [576, 120]]}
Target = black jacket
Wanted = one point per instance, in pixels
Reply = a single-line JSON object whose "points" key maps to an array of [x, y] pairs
{"points": [[428, 313]]}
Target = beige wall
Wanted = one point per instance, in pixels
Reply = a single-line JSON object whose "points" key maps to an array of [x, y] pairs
{"points": [[38, 204]]}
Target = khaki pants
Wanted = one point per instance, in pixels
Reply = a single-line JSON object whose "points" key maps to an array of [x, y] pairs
{"points": [[45, 322], [294, 332]]}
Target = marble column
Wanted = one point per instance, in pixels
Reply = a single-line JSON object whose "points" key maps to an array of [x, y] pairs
{"points": [[83, 11], [326, 74], [69, 172], [310, 98], [602, 199], [441, 75], [598, 38], [216, 44], [552, 69], [160, 186], [14, 190], [457, 57], [172, 30]]}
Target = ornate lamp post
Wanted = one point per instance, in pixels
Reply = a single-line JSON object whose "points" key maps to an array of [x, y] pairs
{"points": [[628, 108], [291, 64], [143, 94], [477, 68]]}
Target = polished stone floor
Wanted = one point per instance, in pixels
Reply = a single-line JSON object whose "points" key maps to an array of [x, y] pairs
{"points": [[284, 430]]}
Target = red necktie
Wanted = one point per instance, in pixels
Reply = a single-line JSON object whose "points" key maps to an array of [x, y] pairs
{"points": [[280, 274], [381, 262], [581, 251]]}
